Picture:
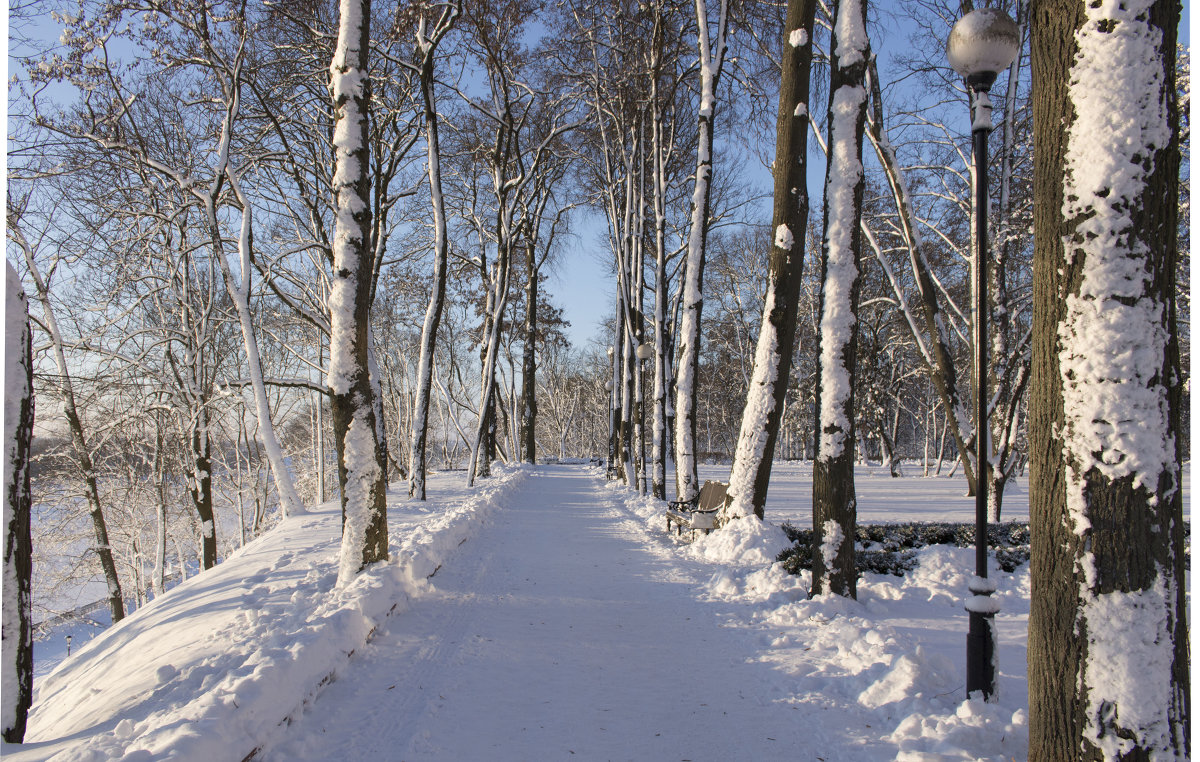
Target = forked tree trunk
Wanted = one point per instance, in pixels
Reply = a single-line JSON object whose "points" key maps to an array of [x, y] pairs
{"points": [[785, 271], [1108, 644], [834, 514]]}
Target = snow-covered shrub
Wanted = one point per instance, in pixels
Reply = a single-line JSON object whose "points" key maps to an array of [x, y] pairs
{"points": [[891, 548]]}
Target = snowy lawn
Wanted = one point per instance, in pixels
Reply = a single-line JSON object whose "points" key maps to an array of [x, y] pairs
{"points": [[571, 625]]}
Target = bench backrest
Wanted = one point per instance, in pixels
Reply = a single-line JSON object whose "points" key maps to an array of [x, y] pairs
{"points": [[712, 496]]}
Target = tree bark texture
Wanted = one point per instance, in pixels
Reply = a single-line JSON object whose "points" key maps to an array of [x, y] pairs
{"points": [[17, 629], [200, 489], [361, 466], [529, 364], [765, 400], [1108, 646], [834, 510]]}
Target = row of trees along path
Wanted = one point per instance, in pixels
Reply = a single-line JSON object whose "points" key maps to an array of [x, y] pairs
{"points": [[1104, 371]]}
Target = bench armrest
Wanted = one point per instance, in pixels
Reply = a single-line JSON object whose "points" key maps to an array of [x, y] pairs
{"points": [[683, 505]]}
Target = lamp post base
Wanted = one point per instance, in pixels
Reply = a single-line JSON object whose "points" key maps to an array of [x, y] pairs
{"points": [[981, 655]]}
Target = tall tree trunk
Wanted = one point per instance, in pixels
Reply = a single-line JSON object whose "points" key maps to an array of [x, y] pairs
{"points": [[529, 363], [239, 293], [200, 488], [484, 447], [16, 633], [614, 390], [660, 431], [1108, 645], [712, 59], [160, 533], [361, 466], [785, 270], [628, 358], [834, 514], [427, 46]]}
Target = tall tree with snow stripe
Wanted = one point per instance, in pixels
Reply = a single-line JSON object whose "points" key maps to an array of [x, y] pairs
{"points": [[361, 464], [427, 42], [833, 472], [16, 632], [1108, 644], [785, 271], [712, 59]]}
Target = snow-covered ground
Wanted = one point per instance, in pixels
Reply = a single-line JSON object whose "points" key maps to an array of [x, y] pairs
{"points": [[547, 614]]}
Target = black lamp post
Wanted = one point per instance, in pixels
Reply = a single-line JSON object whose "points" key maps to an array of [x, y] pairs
{"points": [[981, 44]]}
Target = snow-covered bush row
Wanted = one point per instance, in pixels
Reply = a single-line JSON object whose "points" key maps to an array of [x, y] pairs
{"points": [[891, 548], [225, 659]]}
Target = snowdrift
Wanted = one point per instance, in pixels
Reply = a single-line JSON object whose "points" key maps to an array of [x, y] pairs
{"points": [[214, 668]]}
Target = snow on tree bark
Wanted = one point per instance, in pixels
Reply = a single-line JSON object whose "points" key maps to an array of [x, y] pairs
{"points": [[712, 59], [765, 398], [833, 471], [479, 462], [16, 631], [1108, 644], [363, 470], [289, 501]]}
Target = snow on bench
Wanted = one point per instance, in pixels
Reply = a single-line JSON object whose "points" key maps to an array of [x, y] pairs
{"points": [[702, 512]]}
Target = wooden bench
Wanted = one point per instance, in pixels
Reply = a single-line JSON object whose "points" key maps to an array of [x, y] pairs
{"points": [[701, 512]]}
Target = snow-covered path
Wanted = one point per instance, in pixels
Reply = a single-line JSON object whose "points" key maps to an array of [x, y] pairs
{"points": [[557, 631]]}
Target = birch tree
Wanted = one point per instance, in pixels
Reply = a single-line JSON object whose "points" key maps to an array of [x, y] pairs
{"points": [[765, 399], [1108, 640], [16, 636], [834, 567]]}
